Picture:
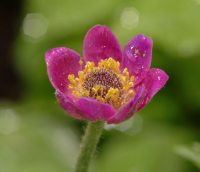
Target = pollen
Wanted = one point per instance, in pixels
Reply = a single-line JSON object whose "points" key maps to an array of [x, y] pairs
{"points": [[105, 82]]}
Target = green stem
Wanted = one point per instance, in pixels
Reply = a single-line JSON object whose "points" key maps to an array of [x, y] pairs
{"points": [[88, 145]]}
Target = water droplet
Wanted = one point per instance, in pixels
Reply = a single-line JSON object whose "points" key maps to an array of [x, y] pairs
{"points": [[103, 46]]}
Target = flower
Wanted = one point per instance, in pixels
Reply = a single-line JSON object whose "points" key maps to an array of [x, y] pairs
{"points": [[107, 83]]}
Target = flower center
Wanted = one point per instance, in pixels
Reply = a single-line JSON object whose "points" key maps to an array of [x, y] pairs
{"points": [[104, 82], [104, 79]]}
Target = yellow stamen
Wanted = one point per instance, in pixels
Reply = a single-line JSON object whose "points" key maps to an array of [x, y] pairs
{"points": [[104, 82], [71, 78], [130, 84], [81, 62], [113, 94], [101, 99], [96, 88], [70, 87], [132, 78], [131, 93]]}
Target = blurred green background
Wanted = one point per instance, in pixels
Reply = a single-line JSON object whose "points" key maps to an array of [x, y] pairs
{"points": [[35, 133]]}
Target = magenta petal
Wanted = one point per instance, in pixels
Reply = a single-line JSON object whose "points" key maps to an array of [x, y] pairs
{"points": [[154, 81], [60, 63], [137, 56], [69, 106], [127, 110], [95, 110], [100, 43]]}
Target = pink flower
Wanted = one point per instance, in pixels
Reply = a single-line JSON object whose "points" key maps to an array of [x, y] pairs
{"points": [[107, 84]]}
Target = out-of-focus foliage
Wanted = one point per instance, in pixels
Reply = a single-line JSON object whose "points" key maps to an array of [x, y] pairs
{"points": [[152, 150], [36, 135], [190, 153], [33, 140]]}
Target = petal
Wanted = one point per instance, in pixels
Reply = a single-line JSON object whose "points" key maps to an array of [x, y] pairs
{"points": [[127, 110], [154, 81], [137, 56], [69, 106], [100, 43], [95, 110], [60, 63]]}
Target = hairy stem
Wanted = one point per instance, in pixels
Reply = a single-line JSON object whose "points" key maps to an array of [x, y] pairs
{"points": [[88, 145]]}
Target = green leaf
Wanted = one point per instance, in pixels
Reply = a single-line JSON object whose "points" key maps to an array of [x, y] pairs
{"points": [[190, 153]]}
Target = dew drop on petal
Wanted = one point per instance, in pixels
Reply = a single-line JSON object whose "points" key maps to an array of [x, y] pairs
{"points": [[132, 47]]}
